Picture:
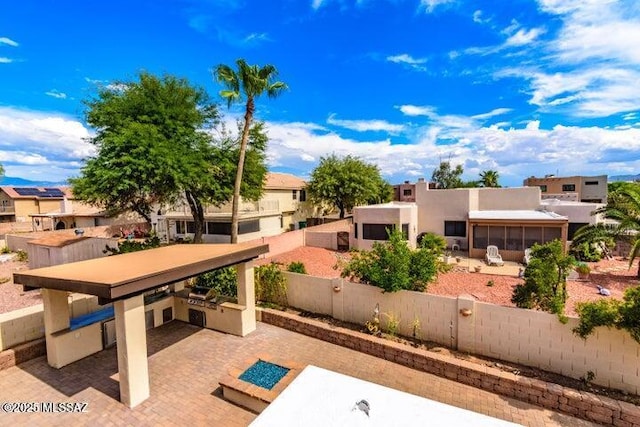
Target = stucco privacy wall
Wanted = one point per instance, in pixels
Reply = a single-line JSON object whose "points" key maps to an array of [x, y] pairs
{"points": [[27, 324], [527, 337]]}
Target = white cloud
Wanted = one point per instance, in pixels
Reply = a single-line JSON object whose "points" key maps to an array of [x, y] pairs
{"points": [[8, 41], [4, 60], [406, 59], [414, 110], [257, 38], [366, 125], [477, 17], [431, 5], [316, 4], [492, 113], [523, 37], [50, 135], [56, 94]]}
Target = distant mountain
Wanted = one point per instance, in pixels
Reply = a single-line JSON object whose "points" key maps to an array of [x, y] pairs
{"points": [[625, 178], [21, 182]]}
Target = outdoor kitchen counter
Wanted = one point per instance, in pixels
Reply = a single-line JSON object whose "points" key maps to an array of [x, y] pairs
{"points": [[223, 317]]}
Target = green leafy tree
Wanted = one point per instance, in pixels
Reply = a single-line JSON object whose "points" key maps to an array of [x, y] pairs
{"points": [[346, 182], [271, 284], [545, 280], [222, 281], [393, 266], [623, 207], [489, 178], [447, 177], [250, 82]]}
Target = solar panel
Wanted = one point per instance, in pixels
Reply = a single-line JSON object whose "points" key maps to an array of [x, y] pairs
{"points": [[45, 193]]}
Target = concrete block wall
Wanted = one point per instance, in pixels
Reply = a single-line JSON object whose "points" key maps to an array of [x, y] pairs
{"points": [[324, 239], [527, 337]]}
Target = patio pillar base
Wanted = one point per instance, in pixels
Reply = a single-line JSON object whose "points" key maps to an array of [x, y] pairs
{"points": [[56, 318], [247, 296], [131, 336]]}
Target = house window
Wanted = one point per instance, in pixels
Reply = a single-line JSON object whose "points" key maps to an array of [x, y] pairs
{"points": [[573, 227], [551, 234], [591, 183], [532, 235], [569, 187], [406, 192], [355, 230], [376, 231], [455, 228], [294, 194], [543, 188], [246, 227], [496, 236], [191, 227], [180, 227], [221, 228], [480, 236], [303, 195], [405, 231], [514, 239]]}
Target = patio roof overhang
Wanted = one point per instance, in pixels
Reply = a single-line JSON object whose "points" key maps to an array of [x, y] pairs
{"points": [[126, 275], [517, 215]]}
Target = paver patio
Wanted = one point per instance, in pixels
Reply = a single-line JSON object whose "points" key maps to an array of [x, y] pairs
{"points": [[186, 363]]}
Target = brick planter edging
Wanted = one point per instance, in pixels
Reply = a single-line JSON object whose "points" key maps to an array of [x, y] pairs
{"points": [[23, 352], [585, 405]]}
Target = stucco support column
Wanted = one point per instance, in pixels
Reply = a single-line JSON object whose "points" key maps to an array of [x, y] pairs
{"points": [[131, 335], [56, 318], [247, 296]]}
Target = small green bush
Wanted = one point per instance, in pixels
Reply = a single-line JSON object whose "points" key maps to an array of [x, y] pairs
{"points": [[22, 256], [582, 268], [297, 267], [433, 243], [133, 246], [5, 250], [224, 281], [271, 284], [623, 314]]}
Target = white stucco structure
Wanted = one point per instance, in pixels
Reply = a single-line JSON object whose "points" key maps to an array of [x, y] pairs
{"points": [[370, 222]]}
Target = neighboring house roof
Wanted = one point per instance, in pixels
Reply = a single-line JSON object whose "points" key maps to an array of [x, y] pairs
{"points": [[53, 193], [391, 205], [523, 215], [283, 181], [57, 241]]}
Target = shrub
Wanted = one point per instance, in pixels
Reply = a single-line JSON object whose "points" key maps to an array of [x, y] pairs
{"points": [[623, 314], [5, 250], [583, 268], [133, 246], [393, 324], [545, 280], [271, 285], [393, 266], [297, 267], [22, 255], [433, 243], [224, 281]]}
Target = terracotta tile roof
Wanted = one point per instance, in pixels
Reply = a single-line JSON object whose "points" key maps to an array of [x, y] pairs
{"points": [[276, 180]]}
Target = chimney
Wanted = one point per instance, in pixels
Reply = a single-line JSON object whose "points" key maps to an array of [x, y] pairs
{"points": [[420, 179]]}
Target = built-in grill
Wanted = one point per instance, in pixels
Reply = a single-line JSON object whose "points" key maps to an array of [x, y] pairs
{"points": [[197, 296]]}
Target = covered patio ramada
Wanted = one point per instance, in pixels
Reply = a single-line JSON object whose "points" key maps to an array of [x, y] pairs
{"points": [[123, 280], [513, 231]]}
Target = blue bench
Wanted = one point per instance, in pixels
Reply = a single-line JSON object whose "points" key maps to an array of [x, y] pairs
{"points": [[90, 318]]}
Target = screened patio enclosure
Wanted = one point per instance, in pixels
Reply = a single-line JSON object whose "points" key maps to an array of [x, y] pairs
{"points": [[513, 231]]}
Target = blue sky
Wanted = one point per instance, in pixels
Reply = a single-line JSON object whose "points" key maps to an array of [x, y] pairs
{"points": [[524, 87]]}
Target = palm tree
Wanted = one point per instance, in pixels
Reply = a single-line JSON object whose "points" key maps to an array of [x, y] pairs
{"points": [[489, 178], [249, 81], [623, 207]]}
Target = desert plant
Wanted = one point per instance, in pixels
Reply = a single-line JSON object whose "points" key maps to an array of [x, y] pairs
{"points": [[433, 243], [415, 327], [623, 314], [490, 283], [271, 284], [297, 267], [22, 256], [393, 266], [582, 268], [393, 324], [373, 325], [5, 250], [545, 280], [133, 246]]}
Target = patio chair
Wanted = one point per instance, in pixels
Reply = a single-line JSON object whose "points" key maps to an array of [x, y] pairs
{"points": [[493, 257], [527, 256]]}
